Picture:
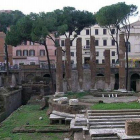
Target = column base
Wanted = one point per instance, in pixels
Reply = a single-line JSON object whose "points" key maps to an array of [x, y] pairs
{"points": [[107, 89], [58, 94]]}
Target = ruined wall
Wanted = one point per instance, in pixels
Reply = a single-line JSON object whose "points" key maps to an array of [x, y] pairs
{"points": [[12, 101], [99, 84]]}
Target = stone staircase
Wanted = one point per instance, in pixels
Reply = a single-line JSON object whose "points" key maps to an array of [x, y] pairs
{"points": [[105, 124]]}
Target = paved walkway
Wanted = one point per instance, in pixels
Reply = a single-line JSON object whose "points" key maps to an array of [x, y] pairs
{"points": [[91, 99]]}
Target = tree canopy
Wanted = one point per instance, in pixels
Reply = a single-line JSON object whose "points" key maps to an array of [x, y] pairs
{"points": [[8, 19], [115, 14], [71, 20]]}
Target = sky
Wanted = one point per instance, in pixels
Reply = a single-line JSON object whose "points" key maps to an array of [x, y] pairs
{"points": [[36, 6]]}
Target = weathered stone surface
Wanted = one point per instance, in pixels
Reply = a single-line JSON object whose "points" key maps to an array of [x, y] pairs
{"points": [[59, 94], [122, 79], [132, 127], [93, 61], [79, 62], [44, 102], [107, 69], [68, 64], [59, 70], [73, 102]]}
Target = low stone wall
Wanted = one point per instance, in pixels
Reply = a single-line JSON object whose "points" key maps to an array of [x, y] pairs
{"points": [[12, 101], [132, 127], [99, 84], [64, 107]]}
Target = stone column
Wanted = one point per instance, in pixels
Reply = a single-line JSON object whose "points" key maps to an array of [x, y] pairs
{"points": [[79, 62], [59, 71], [68, 64], [93, 62], [122, 75], [107, 69]]}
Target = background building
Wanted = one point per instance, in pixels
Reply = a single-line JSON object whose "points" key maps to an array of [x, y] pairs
{"points": [[103, 41], [2, 50], [33, 54]]}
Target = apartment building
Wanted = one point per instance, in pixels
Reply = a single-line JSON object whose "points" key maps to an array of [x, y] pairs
{"points": [[29, 53], [2, 50], [103, 41]]}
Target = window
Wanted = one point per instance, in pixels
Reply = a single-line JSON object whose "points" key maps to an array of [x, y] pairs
{"points": [[96, 42], [31, 52], [31, 43], [113, 53], [72, 62], [103, 61], [78, 32], [104, 31], [96, 31], [87, 31], [129, 47], [42, 52], [112, 31], [71, 43], [32, 63], [87, 52], [21, 63], [113, 61], [87, 42], [56, 52], [72, 53], [104, 42], [25, 52], [18, 53], [113, 42], [62, 43], [97, 61], [97, 53]]}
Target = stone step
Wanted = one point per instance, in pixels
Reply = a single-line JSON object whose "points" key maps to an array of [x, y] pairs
{"points": [[114, 114], [106, 138], [106, 126], [111, 117], [113, 111], [106, 123]]}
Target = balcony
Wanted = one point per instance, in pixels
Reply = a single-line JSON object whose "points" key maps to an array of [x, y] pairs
{"points": [[86, 47]]}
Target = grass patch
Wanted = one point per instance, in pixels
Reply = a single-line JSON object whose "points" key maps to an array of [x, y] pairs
{"points": [[116, 106], [76, 94], [27, 114]]}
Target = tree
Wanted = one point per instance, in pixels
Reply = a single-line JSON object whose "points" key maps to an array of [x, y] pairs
{"points": [[35, 28], [6, 20], [117, 16]]}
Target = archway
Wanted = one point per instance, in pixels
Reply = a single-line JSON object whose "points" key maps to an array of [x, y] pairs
{"points": [[134, 78], [100, 74], [116, 86]]}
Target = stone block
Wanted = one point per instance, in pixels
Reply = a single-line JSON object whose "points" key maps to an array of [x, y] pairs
{"points": [[132, 127], [59, 94], [73, 102], [63, 100]]}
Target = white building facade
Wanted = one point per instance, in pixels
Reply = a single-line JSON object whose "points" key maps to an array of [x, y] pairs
{"points": [[103, 41]]}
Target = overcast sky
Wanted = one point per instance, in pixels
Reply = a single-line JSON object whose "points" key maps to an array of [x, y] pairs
{"points": [[27, 6]]}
